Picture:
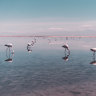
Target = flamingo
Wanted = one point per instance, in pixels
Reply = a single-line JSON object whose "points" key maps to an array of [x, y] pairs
{"points": [[32, 43], [66, 46], [9, 45], [94, 61], [67, 52], [29, 44], [93, 49]]}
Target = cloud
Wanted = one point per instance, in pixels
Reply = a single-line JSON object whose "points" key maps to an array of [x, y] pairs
{"points": [[56, 28], [31, 27]]}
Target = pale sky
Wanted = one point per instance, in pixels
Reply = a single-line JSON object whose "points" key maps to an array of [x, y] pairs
{"points": [[46, 16]]}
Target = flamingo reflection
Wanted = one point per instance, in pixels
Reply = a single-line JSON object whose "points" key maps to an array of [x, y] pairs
{"points": [[66, 57], [9, 60]]}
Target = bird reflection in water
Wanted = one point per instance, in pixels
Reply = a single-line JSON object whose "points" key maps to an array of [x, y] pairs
{"points": [[94, 61], [66, 52], [9, 52], [66, 57]]}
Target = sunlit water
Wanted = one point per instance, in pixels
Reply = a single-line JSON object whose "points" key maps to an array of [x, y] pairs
{"points": [[44, 71]]}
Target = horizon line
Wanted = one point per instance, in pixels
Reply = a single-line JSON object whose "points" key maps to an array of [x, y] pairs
{"points": [[48, 36]]}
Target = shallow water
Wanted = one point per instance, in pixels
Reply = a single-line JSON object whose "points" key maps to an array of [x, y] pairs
{"points": [[44, 71]]}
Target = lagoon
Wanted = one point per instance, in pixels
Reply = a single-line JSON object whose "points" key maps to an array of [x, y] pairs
{"points": [[44, 71]]}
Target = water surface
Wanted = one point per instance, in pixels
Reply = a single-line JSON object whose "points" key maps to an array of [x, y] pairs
{"points": [[44, 71]]}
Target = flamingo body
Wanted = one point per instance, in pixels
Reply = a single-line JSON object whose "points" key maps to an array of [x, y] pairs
{"points": [[93, 49], [9, 45], [65, 46], [29, 44]]}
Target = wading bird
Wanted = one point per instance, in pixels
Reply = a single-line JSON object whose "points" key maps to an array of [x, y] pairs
{"points": [[9, 45], [94, 61], [9, 53], [66, 46], [67, 52], [93, 49], [29, 47]]}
